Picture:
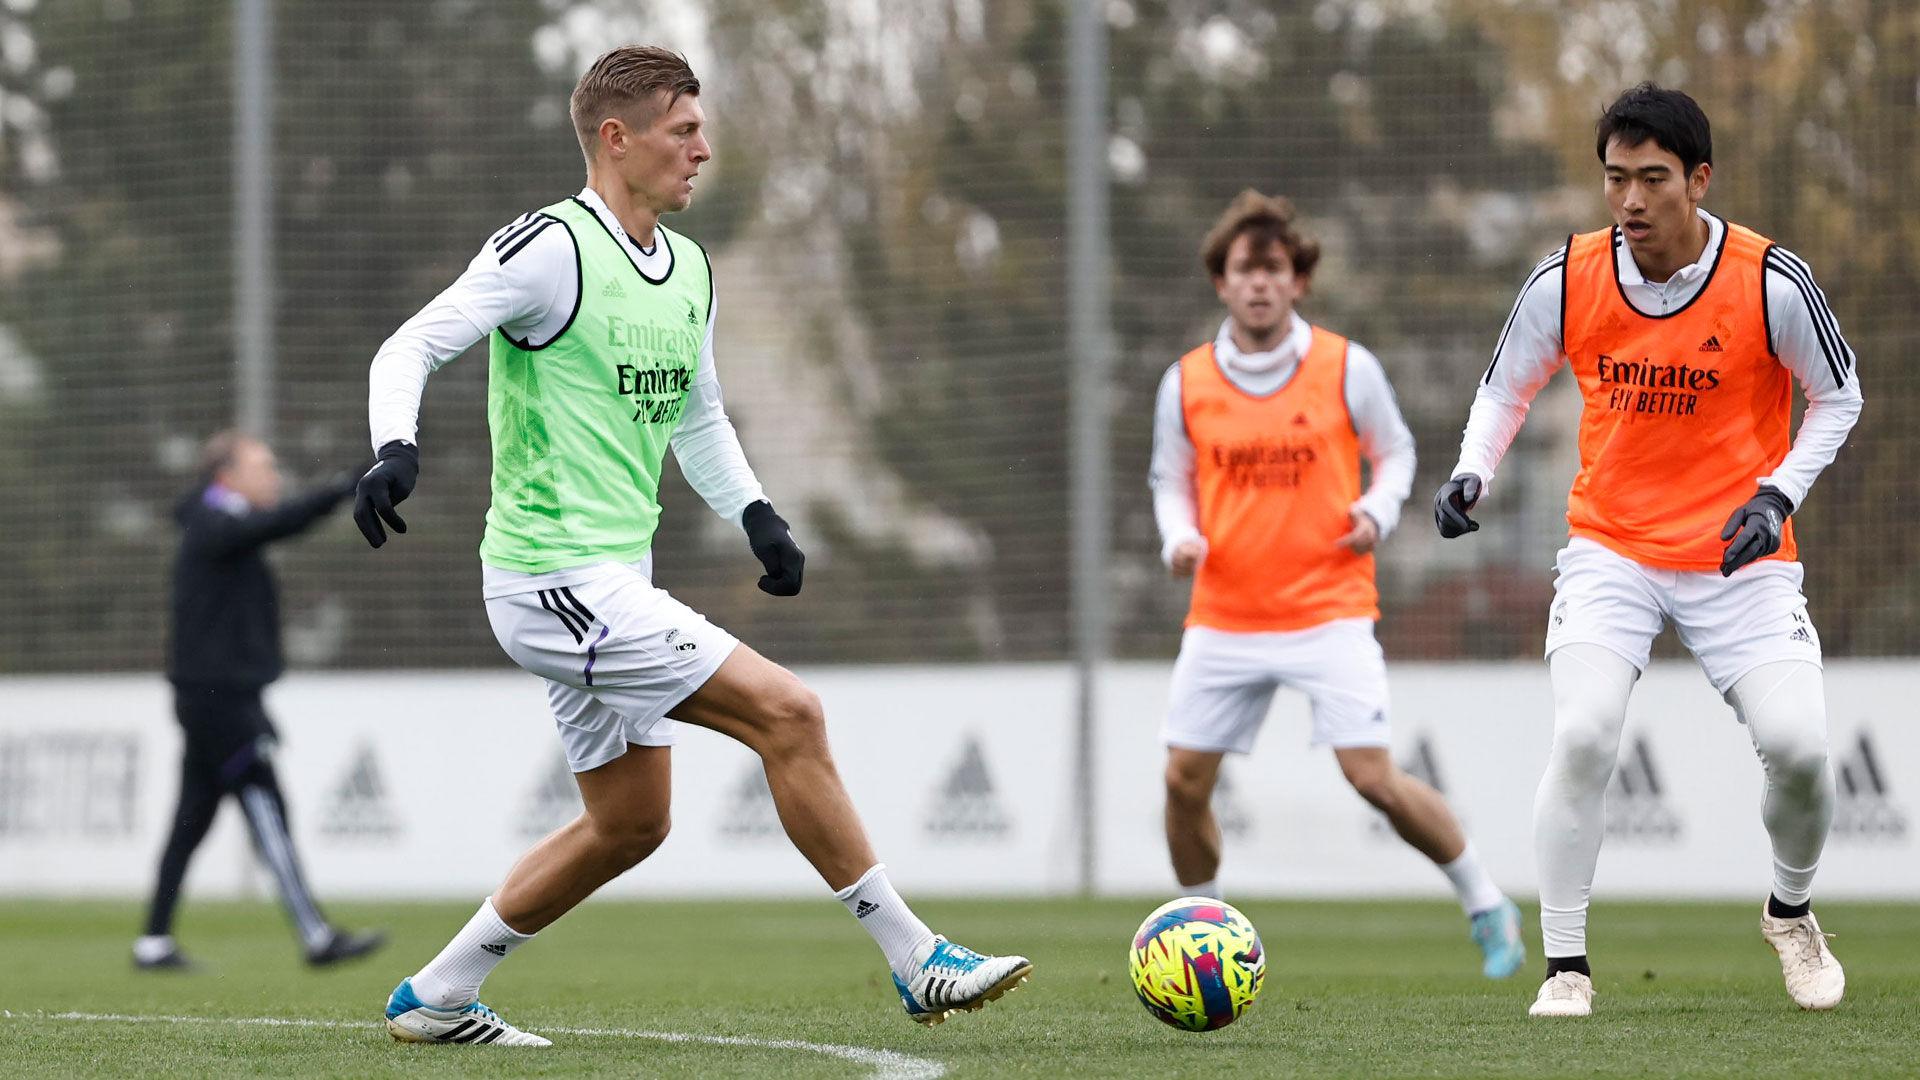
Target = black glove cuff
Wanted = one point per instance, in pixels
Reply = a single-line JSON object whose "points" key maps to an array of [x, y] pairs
{"points": [[758, 515], [401, 449], [1779, 499]]}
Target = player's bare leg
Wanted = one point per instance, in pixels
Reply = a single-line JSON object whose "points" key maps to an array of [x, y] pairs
{"points": [[1193, 835], [768, 708], [1422, 818], [765, 706], [625, 820], [1416, 811]]}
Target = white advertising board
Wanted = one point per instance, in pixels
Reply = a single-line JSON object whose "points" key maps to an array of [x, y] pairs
{"points": [[431, 783]]}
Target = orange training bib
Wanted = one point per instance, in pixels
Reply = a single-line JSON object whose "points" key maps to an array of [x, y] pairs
{"points": [[1683, 413], [1275, 477]]}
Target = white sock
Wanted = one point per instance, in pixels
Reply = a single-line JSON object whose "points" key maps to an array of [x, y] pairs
{"points": [[1208, 889], [150, 947], [452, 979], [1477, 891], [895, 928]]}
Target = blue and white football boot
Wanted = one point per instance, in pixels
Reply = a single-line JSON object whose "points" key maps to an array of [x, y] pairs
{"points": [[949, 978], [1497, 932], [409, 1020]]}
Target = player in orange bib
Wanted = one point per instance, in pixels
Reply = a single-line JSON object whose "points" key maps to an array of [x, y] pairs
{"points": [[1258, 439], [1685, 332]]}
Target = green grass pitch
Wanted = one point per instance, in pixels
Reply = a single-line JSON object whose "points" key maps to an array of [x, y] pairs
{"points": [[1353, 989]]}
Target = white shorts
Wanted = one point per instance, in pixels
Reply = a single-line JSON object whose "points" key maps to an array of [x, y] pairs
{"points": [[1730, 624], [1223, 684], [617, 653]]}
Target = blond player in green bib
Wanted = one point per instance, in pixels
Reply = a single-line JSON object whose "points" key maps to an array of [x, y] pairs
{"points": [[599, 323]]}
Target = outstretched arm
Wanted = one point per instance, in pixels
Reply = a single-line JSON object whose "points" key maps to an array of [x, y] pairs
{"points": [[222, 535]]}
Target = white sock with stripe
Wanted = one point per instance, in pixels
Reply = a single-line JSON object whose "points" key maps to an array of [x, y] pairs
{"points": [[895, 928], [452, 979]]}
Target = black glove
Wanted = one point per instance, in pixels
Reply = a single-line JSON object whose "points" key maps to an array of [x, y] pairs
{"points": [[1451, 503], [385, 485], [1757, 526], [773, 545]]}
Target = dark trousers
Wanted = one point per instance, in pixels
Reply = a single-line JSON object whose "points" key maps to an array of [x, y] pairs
{"points": [[229, 743]]}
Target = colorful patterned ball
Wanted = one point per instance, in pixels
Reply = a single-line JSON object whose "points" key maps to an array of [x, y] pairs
{"points": [[1197, 963]]}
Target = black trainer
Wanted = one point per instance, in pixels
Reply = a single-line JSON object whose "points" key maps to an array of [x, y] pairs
{"points": [[346, 945], [172, 960]]}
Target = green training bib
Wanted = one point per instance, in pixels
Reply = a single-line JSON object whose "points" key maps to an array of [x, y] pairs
{"points": [[580, 425]]}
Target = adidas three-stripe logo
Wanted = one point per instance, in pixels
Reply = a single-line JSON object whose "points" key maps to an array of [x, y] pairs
{"points": [[473, 1031], [563, 605], [1827, 329], [1712, 344], [509, 241]]}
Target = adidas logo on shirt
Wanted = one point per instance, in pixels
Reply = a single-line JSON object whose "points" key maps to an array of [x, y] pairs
{"points": [[614, 290], [1712, 344], [1300, 419]]}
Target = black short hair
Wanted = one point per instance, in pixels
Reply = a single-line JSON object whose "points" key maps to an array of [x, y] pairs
{"points": [[1670, 118]]}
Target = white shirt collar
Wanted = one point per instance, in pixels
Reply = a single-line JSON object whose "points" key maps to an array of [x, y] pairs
{"points": [[1695, 271], [1284, 355], [600, 209]]}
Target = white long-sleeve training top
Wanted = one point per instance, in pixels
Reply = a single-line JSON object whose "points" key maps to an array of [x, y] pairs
{"points": [[1804, 335], [526, 281], [1385, 441]]}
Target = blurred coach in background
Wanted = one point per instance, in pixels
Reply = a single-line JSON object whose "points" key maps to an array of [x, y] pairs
{"points": [[224, 649]]}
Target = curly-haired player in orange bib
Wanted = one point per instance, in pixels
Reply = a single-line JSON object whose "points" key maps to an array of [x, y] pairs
{"points": [[1257, 444]]}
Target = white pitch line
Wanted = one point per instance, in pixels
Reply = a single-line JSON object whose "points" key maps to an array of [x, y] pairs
{"points": [[886, 1064]]}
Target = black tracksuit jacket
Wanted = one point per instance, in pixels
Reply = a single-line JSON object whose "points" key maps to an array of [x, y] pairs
{"points": [[226, 607]]}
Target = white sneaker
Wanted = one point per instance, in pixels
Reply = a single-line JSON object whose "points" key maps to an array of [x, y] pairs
{"points": [[409, 1020], [1813, 976], [1567, 994], [949, 978]]}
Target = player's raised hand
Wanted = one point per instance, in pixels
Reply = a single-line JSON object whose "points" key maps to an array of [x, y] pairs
{"points": [[1364, 536], [384, 486], [1451, 503], [772, 543], [1754, 530], [1187, 556]]}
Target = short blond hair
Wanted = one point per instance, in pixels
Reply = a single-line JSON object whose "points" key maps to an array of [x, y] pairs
{"points": [[1269, 218], [619, 80]]}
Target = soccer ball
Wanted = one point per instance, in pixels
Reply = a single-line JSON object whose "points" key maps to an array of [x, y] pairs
{"points": [[1196, 963]]}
